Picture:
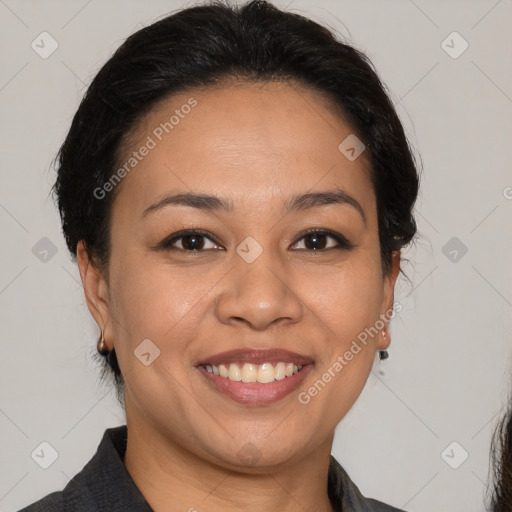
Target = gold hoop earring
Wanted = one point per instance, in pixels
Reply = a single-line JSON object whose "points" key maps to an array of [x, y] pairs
{"points": [[102, 346]]}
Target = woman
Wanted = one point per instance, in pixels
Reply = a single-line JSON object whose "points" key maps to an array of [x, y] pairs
{"points": [[237, 187]]}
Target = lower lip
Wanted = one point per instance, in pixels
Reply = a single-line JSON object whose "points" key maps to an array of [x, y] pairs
{"points": [[254, 393]]}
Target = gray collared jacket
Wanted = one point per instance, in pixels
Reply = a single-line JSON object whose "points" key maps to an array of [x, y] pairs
{"points": [[104, 484]]}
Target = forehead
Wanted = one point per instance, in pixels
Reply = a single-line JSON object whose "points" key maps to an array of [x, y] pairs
{"points": [[251, 142]]}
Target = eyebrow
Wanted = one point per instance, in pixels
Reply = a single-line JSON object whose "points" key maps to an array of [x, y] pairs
{"points": [[315, 199], [298, 202]]}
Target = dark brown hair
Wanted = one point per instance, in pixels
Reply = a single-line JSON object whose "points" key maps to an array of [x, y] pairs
{"points": [[501, 464]]}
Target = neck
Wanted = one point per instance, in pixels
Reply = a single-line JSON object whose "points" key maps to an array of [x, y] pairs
{"points": [[167, 474]]}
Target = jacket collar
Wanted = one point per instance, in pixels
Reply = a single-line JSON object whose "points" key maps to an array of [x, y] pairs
{"points": [[105, 484]]}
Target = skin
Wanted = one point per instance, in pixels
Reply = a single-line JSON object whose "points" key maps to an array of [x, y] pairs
{"points": [[256, 144]]}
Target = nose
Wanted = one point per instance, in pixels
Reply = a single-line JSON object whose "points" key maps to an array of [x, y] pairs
{"points": [[258, 294]]}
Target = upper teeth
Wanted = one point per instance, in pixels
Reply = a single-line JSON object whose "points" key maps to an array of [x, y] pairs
{"points": [[249, 372]]}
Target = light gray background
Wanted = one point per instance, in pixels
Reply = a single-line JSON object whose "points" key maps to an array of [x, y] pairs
{"points": [[449, 367]]}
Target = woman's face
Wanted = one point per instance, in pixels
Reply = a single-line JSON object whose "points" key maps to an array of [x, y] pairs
{"points": [[253, 283]]}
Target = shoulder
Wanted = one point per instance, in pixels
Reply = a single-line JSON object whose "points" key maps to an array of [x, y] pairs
{"points": [[51, 503], [346, 496], [378, 506], [103, 484]]}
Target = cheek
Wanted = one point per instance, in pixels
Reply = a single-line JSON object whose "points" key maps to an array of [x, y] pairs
{"points": [[164, 304], [349, 305], [158, 301], [347, 299], [358, 303]]}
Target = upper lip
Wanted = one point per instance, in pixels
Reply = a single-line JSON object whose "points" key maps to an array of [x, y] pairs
{"points": [[256, 356]]}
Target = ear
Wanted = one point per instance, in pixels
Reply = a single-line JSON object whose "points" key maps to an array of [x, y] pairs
{"points": [[388, 299], [96, 293]]}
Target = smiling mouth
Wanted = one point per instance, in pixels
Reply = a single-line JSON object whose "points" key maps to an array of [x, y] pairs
{"points": [[248, 372], [255, 376]]}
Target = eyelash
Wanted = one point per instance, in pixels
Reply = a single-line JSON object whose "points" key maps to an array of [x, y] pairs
{"points": [[343, 243]]}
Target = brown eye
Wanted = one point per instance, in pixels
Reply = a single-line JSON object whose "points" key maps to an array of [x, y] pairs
{"points": [[190, 240], [318, 240]]}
